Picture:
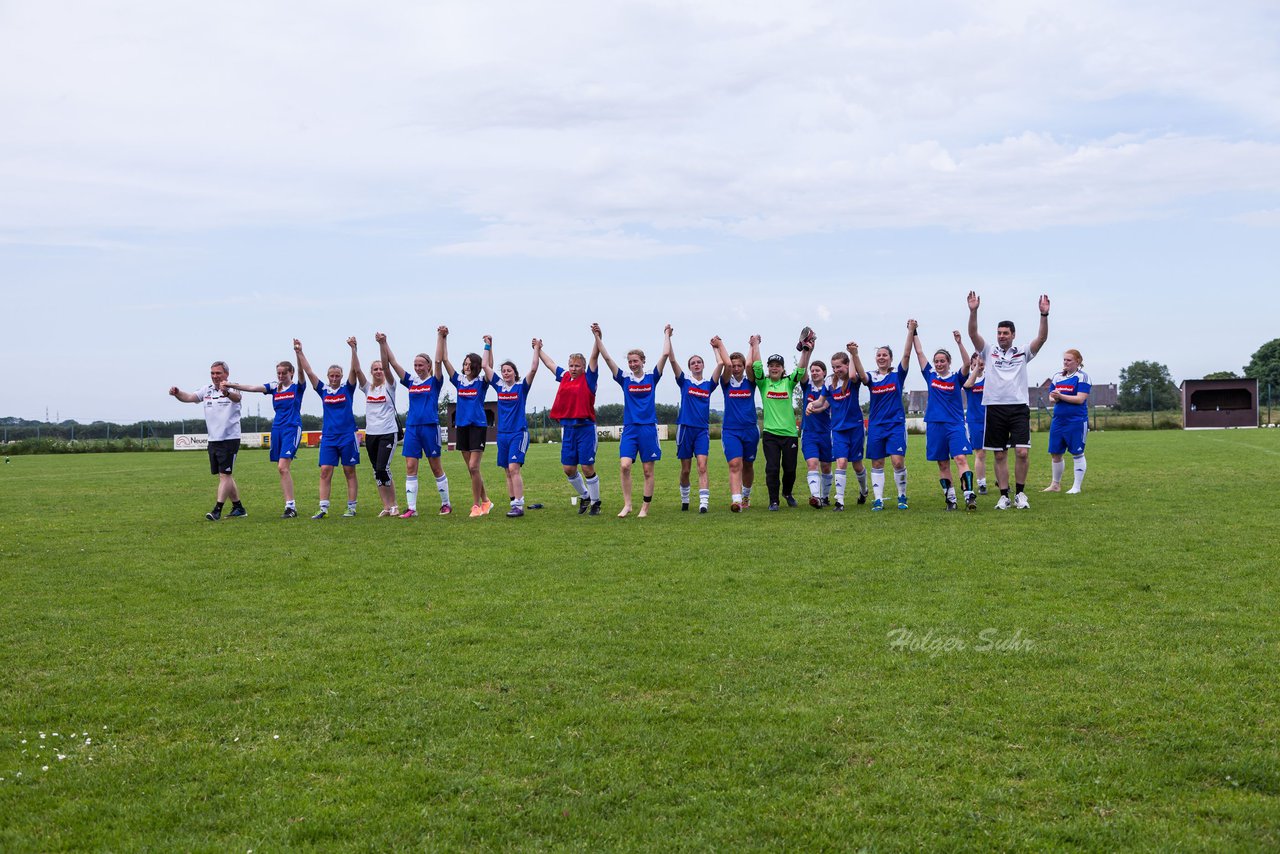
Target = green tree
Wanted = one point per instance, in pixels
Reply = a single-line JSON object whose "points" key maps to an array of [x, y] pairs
{"points": [[1143, 382], [1222, 375], [1265, 367]]}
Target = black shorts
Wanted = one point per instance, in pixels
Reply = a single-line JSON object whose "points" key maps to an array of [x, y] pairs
{"points": [[222, 455], [1007, 426], [470, 438]]}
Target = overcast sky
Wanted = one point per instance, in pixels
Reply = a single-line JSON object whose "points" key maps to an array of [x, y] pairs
{"points": [[184, 182]]}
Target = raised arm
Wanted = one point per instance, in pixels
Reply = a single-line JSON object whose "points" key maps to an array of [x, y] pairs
{"points": [[669, 354], [542, 355], [1043, 334], [979, 343], [486, 361], [184, 396], [976, 366], [537, 357], [388, 358], [905, 364], [595, 330], [305, 366], [753, 344], [807, 352], [721, 351], [918, 346], [964, 356], [442, 351], [593, 361], [858, 370], [356, 375]]}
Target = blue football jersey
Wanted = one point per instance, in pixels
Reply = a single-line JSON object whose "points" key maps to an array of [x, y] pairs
{"points": [[821, 422], [511, 405], [1077, 383], [846, 414], [424, 399], [975, 411], [287, 403], [339, 416], [471, 395], [695, 401], [946, 400], [886, 398], [638, 403], [739, 402]]}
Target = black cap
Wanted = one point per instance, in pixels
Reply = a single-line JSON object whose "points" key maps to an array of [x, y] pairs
{"points": [[775, 358]]}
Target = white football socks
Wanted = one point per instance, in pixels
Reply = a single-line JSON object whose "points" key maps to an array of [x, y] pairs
{"points": [[877, 483], [1058, 467], [815, 483], [1078, 471], [411, 492], [842, 478], [900, 478], [442, 487]]}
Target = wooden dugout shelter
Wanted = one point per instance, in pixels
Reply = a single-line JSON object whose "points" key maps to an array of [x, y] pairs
{"points": [[1216, 404]]}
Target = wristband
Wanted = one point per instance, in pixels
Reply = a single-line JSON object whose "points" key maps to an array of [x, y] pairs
{"points": [[1044, 314], [488, 346]]}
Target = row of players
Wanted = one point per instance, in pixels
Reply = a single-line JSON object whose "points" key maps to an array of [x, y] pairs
{"points": [[831, 432]]}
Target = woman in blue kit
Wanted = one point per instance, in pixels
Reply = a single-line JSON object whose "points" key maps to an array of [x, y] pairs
{"points": [[338, 442], [639, 420]]}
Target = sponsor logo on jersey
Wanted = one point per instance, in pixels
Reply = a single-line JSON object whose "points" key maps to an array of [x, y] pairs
{"points": [[467, 392], [777, 395], [1069, 388], [840, 395], [741, 393], [382, 398], [640, 389], [282, 395], [884, 389], [694, 391], [420, 389], [943, 385], [335, 398], [509, 395]]}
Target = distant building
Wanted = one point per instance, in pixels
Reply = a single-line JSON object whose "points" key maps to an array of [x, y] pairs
{"points": [[1209, 404]]}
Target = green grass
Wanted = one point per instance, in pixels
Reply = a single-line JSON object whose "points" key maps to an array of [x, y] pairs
{"points": [[683, 681]]}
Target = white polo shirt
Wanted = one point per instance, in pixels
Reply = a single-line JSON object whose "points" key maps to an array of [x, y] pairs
{"points": [[221, 414], [379, 409], [1006, 375]]}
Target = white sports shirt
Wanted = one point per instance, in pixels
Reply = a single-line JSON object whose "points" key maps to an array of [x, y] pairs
{"points": [[221, 414], [379, 409], [1006, 375]]}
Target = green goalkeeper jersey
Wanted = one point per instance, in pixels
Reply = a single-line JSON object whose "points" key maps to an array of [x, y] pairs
{"points": [[775, 397]]}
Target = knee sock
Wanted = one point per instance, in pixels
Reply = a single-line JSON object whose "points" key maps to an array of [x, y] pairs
{"points": [[593, 488], [900, 478], [815, 483], [684, 494], [1058, 467], [1078, 472], [862, 481], [877, 483], [827, 480], [841, 479], [442, 487], [575, 481], [411, 491], [704, 497]]}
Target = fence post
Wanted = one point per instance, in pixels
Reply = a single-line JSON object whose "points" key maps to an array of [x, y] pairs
{"points": [[1151, 389]]}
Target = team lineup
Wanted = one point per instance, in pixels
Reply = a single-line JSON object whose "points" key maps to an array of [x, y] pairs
{"points": [[978, 407]]}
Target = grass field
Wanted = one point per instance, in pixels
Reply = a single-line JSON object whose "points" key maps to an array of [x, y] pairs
{"points": [[1101, 672]]}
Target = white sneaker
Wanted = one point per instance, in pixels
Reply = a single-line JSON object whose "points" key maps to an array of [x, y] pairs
{"points": [[1021, 502], [1004, 503]]}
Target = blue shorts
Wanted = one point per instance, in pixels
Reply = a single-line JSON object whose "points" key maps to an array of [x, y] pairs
{"points": [[887, 441], [815, 444], [847, 444], [640, 442], [512, 448], [692, 442], [338, 452], [944, 440], [285, 442], [741, 442], [1068, 438], [977, 433], [421, 440], [578, 445]]}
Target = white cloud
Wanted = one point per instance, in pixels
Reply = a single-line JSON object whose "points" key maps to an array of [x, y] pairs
{"points": [[611, 130]]}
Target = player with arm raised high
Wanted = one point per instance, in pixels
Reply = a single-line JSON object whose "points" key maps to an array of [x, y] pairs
{"points": [[422, 424], [381, 429], [639, 420], [1008, 415], [513, 426], [781, 439], [575, 409], [739, 432], [848, 432], [338, 442], [693, 427], [470, 421], [286, 425], [887, 420], [946, 436]]}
